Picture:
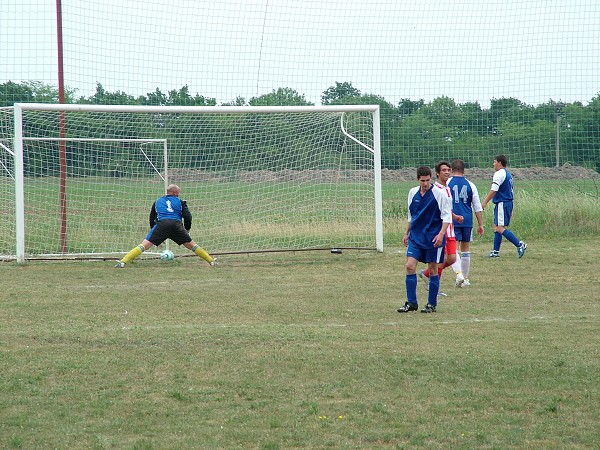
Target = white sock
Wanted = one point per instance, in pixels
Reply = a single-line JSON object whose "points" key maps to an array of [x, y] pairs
{"points": [[465, 264], [457, 266]]}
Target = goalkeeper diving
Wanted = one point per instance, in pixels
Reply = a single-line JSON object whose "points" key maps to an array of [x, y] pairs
{"points": [[166, 217]]}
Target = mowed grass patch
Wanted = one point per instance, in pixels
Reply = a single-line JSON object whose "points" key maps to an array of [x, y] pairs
{"points": [[301, 350]]}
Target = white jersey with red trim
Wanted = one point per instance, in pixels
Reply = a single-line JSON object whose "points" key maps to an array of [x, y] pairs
{"points": [[450, 230]]}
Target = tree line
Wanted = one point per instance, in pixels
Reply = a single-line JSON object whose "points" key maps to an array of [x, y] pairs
{"points": [[413, 132]]}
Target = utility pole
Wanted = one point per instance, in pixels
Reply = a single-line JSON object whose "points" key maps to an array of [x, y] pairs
{"points": [[557, 136]]}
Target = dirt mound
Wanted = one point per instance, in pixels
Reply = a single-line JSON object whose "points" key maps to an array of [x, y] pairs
{"points": [[565, 172]]}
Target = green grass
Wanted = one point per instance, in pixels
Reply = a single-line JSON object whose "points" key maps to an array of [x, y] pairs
{"points": [[302, 350]]}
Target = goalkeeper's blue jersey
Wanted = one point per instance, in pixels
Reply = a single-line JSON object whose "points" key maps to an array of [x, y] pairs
{"points": [[169, 207]]}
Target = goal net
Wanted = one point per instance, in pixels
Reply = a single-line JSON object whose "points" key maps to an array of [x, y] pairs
{"points": [[81, 178]]}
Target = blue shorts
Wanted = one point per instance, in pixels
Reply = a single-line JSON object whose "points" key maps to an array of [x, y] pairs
{"points": [[463, 234], [425, 255], [502, 213]]}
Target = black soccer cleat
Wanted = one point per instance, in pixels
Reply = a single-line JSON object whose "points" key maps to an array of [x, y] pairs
{"points": [[428, 309], [408, 307]]}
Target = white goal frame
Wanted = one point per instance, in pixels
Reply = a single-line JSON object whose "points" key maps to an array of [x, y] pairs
{"points": [[19, 138]]}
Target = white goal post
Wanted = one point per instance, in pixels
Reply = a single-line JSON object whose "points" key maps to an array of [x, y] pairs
{"points": [[256, 179]]}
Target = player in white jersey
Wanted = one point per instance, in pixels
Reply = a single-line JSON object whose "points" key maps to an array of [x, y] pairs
{"points": [[429, 215], [465, 201]]}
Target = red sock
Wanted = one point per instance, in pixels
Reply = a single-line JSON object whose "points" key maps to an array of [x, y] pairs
{"points": [[426, 273]]}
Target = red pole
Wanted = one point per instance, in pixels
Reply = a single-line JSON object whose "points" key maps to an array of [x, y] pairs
{"points": [[62, 148]]}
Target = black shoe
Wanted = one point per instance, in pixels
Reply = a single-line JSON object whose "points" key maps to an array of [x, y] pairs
{"points": [[428, 309], [408, 307]]}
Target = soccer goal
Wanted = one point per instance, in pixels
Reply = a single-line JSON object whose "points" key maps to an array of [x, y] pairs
{"points": [[82, 178]]}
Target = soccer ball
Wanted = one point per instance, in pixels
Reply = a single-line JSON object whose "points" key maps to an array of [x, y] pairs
{"points": [[167, 255]]}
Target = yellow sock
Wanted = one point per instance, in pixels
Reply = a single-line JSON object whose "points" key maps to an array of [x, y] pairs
{"points": [[199, 251], [134, 253]]}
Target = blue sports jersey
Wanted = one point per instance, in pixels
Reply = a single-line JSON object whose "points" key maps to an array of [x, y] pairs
{"points": [[502, 183], [169, 207], [426, 215], [465, 199]]}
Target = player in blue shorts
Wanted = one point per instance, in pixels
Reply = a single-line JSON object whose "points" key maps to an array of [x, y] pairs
{"points": [[429, 215], [502, 196], [166, 217], [465, 201]]}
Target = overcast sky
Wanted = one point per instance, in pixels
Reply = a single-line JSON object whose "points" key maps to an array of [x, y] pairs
{"points": [[469, 50]]}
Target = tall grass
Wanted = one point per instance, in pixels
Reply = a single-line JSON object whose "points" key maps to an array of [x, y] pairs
{"points": [[549, 209]]}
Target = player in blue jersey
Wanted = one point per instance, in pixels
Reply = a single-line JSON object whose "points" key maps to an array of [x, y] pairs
{"points": [[429, 215], [465, 201], [502, 196], [442, 172], [165, 223]]}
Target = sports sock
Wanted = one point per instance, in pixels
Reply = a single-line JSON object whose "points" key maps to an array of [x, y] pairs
{"points": [[434, 289], [465, 264], [457, 265], [199, 251], [511, 237], [497, 241], [411, 288], [134, 253], [426, 273]]}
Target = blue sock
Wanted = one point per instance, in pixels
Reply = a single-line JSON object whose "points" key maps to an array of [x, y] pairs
{"points": [[511, 237], [434, 289], [411, 288], [497, 241]]}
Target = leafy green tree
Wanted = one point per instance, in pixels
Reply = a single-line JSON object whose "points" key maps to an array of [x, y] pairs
{"points": [[156, 98], [445, 112], [280, 97], [339, 93], [425, 139], [580, 134], [239, 101], [508, 110], [473, 119], [406, 107], [103, 97], [47, 93], [182, 97], [11, 93]]}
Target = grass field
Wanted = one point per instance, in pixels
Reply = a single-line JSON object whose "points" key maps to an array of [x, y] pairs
{"points": [[302, 350]]}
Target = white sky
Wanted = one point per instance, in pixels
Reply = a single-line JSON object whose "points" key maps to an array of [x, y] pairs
{"points": [[469, 50]]}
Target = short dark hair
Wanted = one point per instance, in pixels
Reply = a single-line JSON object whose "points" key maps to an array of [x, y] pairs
{"points": [[439, 165], [502, 160], [423, 171], [458, 166]]}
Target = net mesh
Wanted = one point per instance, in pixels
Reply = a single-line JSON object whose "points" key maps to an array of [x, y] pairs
{"points": [[254, 182]]}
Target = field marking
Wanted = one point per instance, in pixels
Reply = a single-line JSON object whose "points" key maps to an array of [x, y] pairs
{"points": [[591, 318], [475, 320]]}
